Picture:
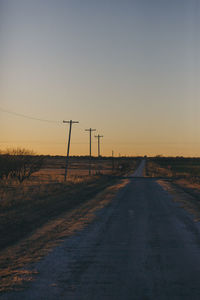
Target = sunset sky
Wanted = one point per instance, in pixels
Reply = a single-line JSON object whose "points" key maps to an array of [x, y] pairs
{"points": [[130, 69]]}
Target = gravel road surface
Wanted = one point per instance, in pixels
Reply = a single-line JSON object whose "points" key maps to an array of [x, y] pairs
{"points": [[142, 246]]}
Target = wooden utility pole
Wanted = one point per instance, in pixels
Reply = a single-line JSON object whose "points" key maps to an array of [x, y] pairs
{"points": [[68, 147], [90, 149], [113, 166], [98, 137]]}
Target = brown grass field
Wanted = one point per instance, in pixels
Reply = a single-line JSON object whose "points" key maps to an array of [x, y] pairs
{"points": [[37, 213], [27, 206], [182, 172], [54, 169]]}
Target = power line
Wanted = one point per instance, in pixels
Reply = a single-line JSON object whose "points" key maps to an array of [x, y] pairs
{"points": [[26, 116], [41, 142]]}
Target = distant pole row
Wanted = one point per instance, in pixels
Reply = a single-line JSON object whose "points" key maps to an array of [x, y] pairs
{"points": [[90, 130]]}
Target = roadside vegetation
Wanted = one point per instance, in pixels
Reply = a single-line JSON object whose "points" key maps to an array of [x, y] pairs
{"points": [[19, 164], [32, 190], [181, 172], [188, 168]]}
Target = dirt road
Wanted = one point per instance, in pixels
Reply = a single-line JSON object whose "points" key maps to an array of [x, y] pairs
{"points": [[142, 246]]}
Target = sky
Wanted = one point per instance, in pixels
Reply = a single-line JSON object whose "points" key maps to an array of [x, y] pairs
{"points": [[129, 69]]}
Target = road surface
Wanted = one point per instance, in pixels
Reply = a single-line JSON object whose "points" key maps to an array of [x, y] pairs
{"points": [[143, 246]]}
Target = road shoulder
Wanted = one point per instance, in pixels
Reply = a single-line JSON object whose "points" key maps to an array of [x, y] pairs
{"points": [[187, 199]]}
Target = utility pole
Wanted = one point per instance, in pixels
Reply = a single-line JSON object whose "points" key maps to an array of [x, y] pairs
{"points": [[113, 161], [98, 137], [90, 150], [68, 147]]}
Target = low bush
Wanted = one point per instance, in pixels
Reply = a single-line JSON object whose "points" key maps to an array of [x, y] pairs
{"points": [[19, 164]]}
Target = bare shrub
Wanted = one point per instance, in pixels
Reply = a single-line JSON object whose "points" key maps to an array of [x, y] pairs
{"points": [[5, 166], [19, 164]]}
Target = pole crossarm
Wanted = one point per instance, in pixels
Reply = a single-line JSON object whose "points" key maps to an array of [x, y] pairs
{"points": [[90, 129], [70, 121], [98, 136]]}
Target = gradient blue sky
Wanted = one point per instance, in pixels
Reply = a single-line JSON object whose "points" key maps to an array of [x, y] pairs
{"points": [[130, 69]]}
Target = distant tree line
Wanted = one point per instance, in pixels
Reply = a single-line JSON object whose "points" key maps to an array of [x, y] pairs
{"points": [[175, 160], [179, 165]]}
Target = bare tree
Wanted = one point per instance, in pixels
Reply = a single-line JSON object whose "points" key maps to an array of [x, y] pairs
{"points": [[19, 163]]}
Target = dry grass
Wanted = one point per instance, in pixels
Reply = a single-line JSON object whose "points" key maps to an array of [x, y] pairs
{"points": [[182, 181], [38, 186], [15, 260], [188, 168], [49, 180], [154, 170], [183, 175], [188, 198], [36, 214], [27, 206]]}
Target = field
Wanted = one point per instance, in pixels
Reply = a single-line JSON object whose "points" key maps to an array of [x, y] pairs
{"points": [[188, 168], [182, 172], [38, 213], [28, 205], [54, 168]]}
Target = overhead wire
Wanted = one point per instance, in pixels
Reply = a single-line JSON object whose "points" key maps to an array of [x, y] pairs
{"points": [[27, 117]]}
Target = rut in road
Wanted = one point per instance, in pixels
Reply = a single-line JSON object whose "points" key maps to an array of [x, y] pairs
{"points": [[141, 246]]}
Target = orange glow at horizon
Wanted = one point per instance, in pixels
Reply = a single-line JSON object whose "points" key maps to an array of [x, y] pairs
{"points": [[132, 74]]}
